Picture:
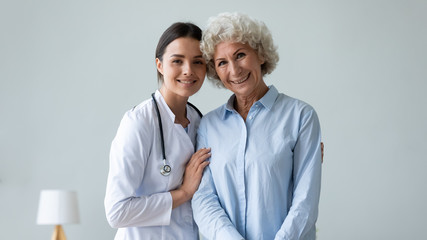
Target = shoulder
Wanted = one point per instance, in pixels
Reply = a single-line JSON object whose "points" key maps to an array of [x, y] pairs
{"points": [[194, 112], [296, 110], [139, 117], [143, 110], [295, 105], [212, 117], [214, 114]]}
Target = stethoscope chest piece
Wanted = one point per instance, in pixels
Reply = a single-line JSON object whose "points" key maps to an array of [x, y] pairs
{"points": [[165, 170]]}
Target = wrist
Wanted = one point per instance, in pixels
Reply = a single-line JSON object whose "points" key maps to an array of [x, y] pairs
{"points": [[179, 197], [184, 194]]}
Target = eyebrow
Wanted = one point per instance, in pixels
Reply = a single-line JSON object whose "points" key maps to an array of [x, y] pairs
{"points": [[233, 53], [237, 50], [176, 55], [182, 56]]}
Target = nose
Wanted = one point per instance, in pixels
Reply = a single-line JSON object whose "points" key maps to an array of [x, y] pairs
{"points": [[235, 69], [187, 69]]}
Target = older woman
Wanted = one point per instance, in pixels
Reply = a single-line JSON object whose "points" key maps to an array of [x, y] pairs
{"points": [[263, 181]]}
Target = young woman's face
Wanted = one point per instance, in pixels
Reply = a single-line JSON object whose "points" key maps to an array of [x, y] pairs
{"points": [[183, 67]]}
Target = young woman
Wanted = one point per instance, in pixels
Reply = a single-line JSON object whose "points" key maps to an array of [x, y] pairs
{"points": [[154, 169]]}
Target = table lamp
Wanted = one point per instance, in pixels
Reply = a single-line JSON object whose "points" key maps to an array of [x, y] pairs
{"points": [[57, 207]]}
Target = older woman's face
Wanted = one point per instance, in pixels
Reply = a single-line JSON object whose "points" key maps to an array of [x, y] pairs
{"points": [[239, 67]]}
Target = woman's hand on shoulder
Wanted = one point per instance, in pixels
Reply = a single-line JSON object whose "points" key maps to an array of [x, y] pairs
{"points": [[192, 177], [194, 171]]}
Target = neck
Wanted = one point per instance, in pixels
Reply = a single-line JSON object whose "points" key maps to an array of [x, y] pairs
{"points": [[243, 103], [178, 105]]}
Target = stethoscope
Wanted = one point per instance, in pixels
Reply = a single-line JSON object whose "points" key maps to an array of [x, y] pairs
{"points": [[166, 169]]}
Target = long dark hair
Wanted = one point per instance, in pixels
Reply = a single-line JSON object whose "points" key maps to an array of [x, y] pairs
{"points": [[176, 30]]}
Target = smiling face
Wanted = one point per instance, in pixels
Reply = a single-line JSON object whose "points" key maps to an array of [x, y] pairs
{"points": [[183, 68], [239, 68]]}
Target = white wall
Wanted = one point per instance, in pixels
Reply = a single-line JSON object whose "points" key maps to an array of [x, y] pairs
{"points": [[70, 69]]}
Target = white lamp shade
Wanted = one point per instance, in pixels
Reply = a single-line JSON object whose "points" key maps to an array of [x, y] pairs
{"points": [[57, 207]]}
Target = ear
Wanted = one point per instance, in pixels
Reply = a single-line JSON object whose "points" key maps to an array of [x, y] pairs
{"points": [[159, 65], [261, 60]]}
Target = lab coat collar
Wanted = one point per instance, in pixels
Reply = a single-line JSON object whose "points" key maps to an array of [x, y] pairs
{"points": [[160, 99], [164, 105], [171, 116]]}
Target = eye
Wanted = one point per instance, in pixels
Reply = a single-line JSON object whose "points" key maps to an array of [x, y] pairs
{"points": [[178, 61], [240, 55], [221, 63], [199, 62]]}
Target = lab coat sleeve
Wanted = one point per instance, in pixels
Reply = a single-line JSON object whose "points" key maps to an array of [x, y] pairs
{"points": [[210, 217], [302, 216], [128, 158]]}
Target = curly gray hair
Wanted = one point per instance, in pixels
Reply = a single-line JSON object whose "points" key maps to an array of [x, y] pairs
{"points": [[238, 27]]}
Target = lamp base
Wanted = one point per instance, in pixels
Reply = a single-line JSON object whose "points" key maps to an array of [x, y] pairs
{"points": [[58, 233]]}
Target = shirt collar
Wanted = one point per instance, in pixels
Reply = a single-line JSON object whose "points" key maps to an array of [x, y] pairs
{"points": [[267, 101], [269, 98]]}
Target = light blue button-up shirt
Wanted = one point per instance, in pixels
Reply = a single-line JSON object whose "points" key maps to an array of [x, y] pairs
{"points": [[263, 181]]}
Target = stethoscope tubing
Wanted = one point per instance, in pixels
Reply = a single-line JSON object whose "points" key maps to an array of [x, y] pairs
{"points": [[166, 169], [162, 140]]}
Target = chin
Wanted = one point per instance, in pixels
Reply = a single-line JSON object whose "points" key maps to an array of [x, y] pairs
{"points": [[188, 93]]}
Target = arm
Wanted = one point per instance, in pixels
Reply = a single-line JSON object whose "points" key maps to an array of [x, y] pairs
{"points": [[302, 216], [212, 220], [192, 176], [128, 158]]}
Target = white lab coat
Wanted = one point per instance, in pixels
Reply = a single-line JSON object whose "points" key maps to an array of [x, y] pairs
{"points": [[137, 198]]}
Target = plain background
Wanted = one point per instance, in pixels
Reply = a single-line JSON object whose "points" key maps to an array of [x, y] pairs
{"points": [[70, 69]]}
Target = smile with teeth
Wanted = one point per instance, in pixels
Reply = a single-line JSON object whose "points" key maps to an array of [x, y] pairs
{"points": [[186, 81], [241, 80]]}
